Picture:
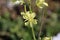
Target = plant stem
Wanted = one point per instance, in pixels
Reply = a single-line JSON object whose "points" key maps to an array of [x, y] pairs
{"points": [[32, 31], [25, 8], [42, 23], [33, 34], [30, 5]]}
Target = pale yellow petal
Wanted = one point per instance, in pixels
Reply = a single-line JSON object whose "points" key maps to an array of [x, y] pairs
{"points": [[46, 4]]}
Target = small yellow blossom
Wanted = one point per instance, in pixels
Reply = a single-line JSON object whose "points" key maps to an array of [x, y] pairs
{"points": [[29, 17], [19, 2], [47, 38], [41, 3]]}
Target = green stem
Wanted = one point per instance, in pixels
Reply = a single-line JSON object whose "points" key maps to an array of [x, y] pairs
{"points": [[30, 5], [42, 23], [33, 32], [25, 8]]}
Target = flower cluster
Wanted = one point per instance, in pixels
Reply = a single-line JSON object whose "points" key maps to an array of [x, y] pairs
{"points": [[41, 3], [29, 17]]}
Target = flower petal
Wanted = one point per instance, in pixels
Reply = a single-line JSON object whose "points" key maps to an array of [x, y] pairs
{"points": [[33, 15], [45, 4], [26, 23], [35, 21]]}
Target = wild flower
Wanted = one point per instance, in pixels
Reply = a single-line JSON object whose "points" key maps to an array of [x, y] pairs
{"points": [[47, 38], [41, 3], [29, 18], [19, 2]]}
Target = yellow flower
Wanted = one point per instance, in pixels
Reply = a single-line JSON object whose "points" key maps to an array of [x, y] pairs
{"points": [[47, 38], [19, 2], [29, 17], [41, 3]]}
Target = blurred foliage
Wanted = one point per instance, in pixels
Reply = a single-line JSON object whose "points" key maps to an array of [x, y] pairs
{"points": [[14, 27]]}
